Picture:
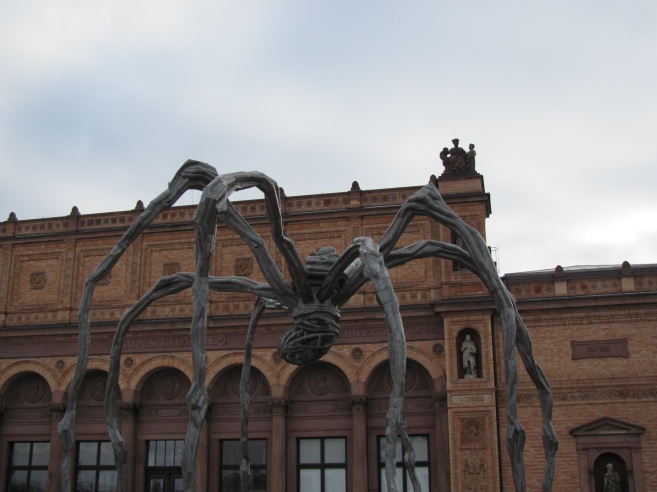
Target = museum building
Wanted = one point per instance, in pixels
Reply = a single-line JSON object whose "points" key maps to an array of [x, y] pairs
{"points": [[320, 427]]}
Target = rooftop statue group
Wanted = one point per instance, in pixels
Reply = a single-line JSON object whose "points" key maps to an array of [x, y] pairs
{"points": [[457, 160]]}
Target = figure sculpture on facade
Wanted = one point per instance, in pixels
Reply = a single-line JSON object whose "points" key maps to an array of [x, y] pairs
{"points": [[319, 288], [612, 480], [469, 351], [456, 160]]}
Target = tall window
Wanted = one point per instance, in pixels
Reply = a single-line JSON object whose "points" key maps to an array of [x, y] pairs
{"points": [[231, 456], [322, 464], [164, 472], [421, 448], [28, 466], [96, 471]]}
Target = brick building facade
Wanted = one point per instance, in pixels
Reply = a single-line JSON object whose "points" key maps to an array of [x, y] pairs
{"points": [[593, 331]]}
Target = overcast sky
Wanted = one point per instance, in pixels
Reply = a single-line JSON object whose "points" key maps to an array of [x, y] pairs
{"points": [[101, 102]]}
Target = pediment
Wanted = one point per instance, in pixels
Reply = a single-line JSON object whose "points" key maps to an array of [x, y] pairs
{"points": [[606, 426]]}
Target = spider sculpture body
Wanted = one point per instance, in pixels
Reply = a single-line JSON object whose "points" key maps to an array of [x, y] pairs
{"points": [[318, 290]]}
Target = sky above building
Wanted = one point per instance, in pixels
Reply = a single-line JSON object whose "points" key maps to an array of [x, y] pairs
{"points": [[101, 102]]}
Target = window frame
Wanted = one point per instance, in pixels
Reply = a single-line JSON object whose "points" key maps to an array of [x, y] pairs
{"points": [[254, 466], [29, 467], [322, 465], [97, 467], [406, 485]]}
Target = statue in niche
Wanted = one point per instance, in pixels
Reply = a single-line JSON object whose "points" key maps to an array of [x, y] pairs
{"points": [[612, 480], [456, 160], [468, 352]]}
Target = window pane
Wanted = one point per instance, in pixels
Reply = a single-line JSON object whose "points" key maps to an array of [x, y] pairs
{"points": [[421, 447], [87, 453], [40, 453], [230, 481], [259, 480], [423, 476], [151, 453], [231, 453], [107, 481], [179, 450], [86, 481], [178, 485], [335, 480], [310, 480], [309, 451], [21, 454], [18, 480], [169, 451], [160, 453], [106, 454], [38, 480], [156, 485], [334, 451], [258, 452]]}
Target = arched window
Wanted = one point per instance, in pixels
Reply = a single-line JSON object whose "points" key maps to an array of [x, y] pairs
{"points": [[162, 423], [225, 448], [26, 433], [420, 413], [319, 430]]}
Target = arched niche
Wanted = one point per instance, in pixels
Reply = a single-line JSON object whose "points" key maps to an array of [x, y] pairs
{"points": [[465, 339], [90, 410], [418, 388], [27, 401], [225, 397], [320, 389], [162, 400], [618, 466]]}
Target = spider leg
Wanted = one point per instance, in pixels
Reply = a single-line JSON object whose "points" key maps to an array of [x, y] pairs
{"points": [[245, 466], [376, 271], [192, 175], [427, 201]]}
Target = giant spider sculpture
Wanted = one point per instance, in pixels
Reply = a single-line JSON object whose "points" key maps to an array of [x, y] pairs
{"points": [[313, 299]]}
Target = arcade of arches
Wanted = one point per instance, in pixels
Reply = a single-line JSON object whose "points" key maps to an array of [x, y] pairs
{"points": [[318, 405]]}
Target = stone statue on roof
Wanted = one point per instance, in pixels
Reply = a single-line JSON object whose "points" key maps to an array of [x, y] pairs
{"points": [[456, 160]]}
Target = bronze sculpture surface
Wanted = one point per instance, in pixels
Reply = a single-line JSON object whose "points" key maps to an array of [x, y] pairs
{"points": [[313, 299]]}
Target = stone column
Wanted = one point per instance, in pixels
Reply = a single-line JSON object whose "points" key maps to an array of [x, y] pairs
{"points": [[442, 442], [129, 413], [55, 459], [278, 448], [359, 449]]}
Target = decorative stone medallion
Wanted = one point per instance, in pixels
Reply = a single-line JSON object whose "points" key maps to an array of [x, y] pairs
{"points": [[357, 354], [243, 266], [37, 280], [171, 268]]}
